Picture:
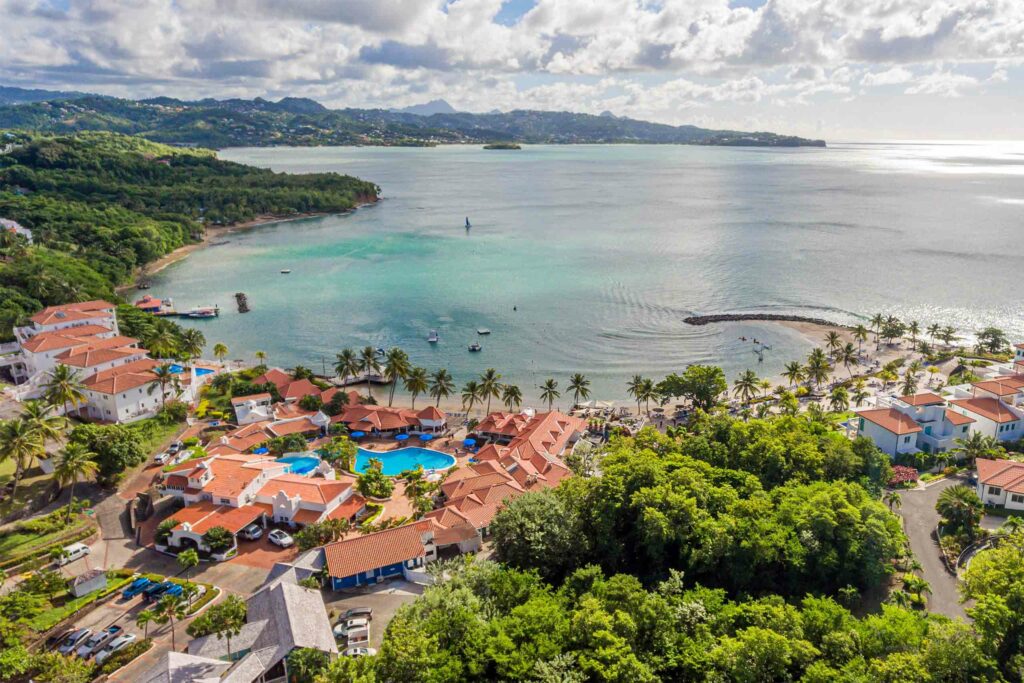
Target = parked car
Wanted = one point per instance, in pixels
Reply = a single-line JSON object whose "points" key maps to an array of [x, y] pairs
{"points": [[175, 447], [358, 613], [58, 638], [136, 587], [113, 646], [346, 626], [359, 652], [97, 641], [162, 458], [252, 532], [153, 593], [72, 641], [281, 538], [175, 589], [73, 552]]}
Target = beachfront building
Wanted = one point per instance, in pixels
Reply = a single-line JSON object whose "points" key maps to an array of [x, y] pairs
{"points": [[289, 388], [280, 618], [385, 421], [996, 404], [252, 408], [1001, 483]]}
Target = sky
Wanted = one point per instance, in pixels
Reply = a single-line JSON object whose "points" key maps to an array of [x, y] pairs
{"points": [[838, 69]]}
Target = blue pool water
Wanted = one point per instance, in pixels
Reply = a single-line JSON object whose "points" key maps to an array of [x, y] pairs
{"points": [[396, 462], [175, 368], [300, 464]]}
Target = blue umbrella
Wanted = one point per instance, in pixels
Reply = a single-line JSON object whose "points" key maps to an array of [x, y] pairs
{"points": [[357, 435], [261, 451], [426, 437], [469, 443], [401, 437]]}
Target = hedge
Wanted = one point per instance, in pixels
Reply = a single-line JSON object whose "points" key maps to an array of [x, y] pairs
{"points": [[123, 657], [73, 536], [47, 619]]}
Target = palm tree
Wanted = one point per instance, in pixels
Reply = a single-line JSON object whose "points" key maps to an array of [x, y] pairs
{"points": [[192, 343], [396, 367], [169, 608], [913, 329], [893, 500], [766, 386], [860, 333], [549, 392], [933, 331], [20, 444], [369, 364], [143, 620], [416, 383], [948, 335], [847, 355], [961, 508], [860, 393], [163, 376], [579, 385], [347, 365], [745, 386], [490, 386], [839, 400], [794, 372], [635, 388], [220, 352], [915, 585], [900, 598], [977, 445], [163, 342], [41, 420], [261, 357], [876, 324], [75, 462], [471, 393], [441, 385], [817, 369], [833, 341], [909, 385], [64, 386], [511, 396], [648, 392]]}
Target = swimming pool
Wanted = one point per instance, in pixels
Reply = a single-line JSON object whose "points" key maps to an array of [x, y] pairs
{"points": [[175, 368], [396, 462], [300, 464]]}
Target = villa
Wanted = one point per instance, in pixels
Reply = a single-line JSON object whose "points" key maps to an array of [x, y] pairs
{"points": [[288, 387], [369, 559], [120, 385], [390, 421], [1001, 482]]}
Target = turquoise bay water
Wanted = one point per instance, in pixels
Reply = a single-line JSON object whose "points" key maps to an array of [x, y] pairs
{"points": [[587, 258], [395, 462]]}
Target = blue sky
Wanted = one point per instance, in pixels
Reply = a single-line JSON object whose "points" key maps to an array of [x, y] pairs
{"points": [[871, 69]]}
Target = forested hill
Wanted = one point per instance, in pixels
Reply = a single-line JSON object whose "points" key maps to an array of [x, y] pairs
{"points": [[298, 121], [101, 204]]}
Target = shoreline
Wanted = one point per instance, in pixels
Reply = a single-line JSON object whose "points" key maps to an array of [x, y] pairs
{"points": [[214, 232]]}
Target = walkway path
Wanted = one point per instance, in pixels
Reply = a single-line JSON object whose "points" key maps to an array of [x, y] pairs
{"points": [[920, 519]]}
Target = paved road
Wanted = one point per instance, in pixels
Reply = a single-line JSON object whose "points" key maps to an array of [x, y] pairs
{"points": [[920, 519]]}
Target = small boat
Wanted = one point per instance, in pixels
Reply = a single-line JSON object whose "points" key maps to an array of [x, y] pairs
{"points": [[468, 226], [285, 271], [483, 330], [432, 337], [474, 347], [203, 312]]}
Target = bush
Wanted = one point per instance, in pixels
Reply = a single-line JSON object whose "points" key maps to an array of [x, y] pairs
{"points": [[122, 657], [373, 483], [190, 442], [903, 475], [173, 412]]}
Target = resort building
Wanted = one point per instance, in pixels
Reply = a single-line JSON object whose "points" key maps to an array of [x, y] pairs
{"points": [[1001, 482], [252, 408], [117, 373], [288, 387], [364, 560], [280, 617], [16, 228], [384, 421]]}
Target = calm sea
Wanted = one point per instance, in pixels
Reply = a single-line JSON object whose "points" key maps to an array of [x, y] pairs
{"points": [[587, 258]]}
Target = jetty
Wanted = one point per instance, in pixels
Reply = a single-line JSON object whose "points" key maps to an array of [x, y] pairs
{"points": [[770, 317]]}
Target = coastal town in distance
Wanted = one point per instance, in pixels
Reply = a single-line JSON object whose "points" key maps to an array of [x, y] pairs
{"points": [[511, 341]]}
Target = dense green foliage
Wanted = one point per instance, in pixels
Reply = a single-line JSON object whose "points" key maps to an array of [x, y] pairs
{"points": [[101, 205], [486, 623], [117, 447]]}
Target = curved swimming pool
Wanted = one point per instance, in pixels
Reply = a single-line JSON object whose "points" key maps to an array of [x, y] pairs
{"points": [[396, 462], [300, 464]]}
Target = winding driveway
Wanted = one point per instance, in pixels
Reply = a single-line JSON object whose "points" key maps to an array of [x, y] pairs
{"points": [[919, 521]]}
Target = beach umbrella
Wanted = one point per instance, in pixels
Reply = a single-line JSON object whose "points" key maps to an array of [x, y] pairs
{"points": [[426, 437], [261, 451], [357, 435], [469, 443], [401, 437]]}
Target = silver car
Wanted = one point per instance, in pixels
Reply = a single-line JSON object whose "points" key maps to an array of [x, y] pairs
{"points": [[97, 641], [72, 641], [113, 646]]}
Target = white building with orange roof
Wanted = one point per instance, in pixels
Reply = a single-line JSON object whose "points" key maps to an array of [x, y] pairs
{"points": [[891, 430], [252, 408], [1001, 483], [369, 559], [992, 417], [386, 420]]}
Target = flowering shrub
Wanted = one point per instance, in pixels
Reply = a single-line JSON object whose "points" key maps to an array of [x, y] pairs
{"points": [[902, 476]]}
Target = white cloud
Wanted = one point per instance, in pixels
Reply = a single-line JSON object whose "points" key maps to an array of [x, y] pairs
{"points": [[894, 76], [943, 84]]}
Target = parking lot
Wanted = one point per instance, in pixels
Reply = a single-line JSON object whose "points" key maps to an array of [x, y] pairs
{"points": [[383, 599]]}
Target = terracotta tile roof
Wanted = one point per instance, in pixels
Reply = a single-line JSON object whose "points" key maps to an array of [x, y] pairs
{"points": [[989, 408], [997, 387], [926, 398], [300, 426], [462, 487], [149, 302], [1006, 474], [506, 424], [123, 377], [65, 338], [1015, 381], [283, 411], [380, 418], [891, 420], [304, 516], [275, 376], [354, 397], [93, 357], [349, 508], [204, 516], [309, 489], [381, 549], [431, 413], [298, 388], [251, 397], [957, 419], [85, 310]]}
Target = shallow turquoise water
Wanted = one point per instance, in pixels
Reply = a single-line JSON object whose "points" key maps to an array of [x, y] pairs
{"points": [[300, 464], [587, 258], [396, 462]]}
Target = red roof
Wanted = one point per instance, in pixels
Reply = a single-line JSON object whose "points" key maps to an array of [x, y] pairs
{"points": [[309, 489], [958, 419], [348, 508], [65, 338], [204, 516], [251, 397], [298, 388], [381, 549], [926, 398], [84, 310], [380, 418], [990, 408], [123, 377], [891, 420], [275, 376], [431, 413], [997, 387], [300, 426], [1006, 474]]}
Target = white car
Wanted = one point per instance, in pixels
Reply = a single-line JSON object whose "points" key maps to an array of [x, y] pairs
{"points": [[345, 627], [73, 552], [97, 641], [162, 458], [113, 646], [359, 652], [281, 538]]}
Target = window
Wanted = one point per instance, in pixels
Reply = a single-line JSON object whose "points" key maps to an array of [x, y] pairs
{"points": [[963, 430], [906, 439], [994, 490], [225, 501], [1016, 498]]}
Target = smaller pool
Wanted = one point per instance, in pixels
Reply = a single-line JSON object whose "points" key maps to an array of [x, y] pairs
{"points": [[300, 464], [176, 369], [396, 462]]}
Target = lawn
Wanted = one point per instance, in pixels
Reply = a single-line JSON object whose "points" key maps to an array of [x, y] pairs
{"points": [[156, 434], [32, 486], [22, 542], [65, 607]]}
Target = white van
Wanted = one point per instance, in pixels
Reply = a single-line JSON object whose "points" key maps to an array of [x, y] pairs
{"points": [[73, 552]]}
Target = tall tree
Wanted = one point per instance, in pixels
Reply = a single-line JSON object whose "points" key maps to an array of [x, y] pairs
{"points": [[20, 444], [75, 462], [490, 386], [42, 420], [416, 383], [220, 352], [64, 387], [860, 334], [635, 388], [839, 400], [396, 367], [834, 342], [370, 364], [441, 385], [347, 364], [163, 377], [794, 372], [579, 385], [471, 394], [191, 344], [961, 508], [847, 355], [745, 386], [648, 391], [171, 608], [549, 392], [511, 396]]}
